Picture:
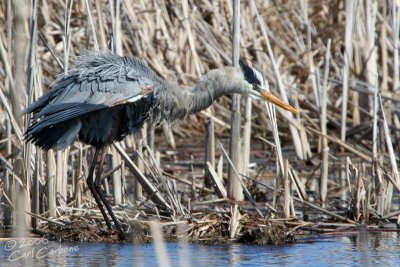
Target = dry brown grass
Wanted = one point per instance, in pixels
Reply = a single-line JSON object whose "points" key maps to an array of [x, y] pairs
{"points": [[340, 156]]}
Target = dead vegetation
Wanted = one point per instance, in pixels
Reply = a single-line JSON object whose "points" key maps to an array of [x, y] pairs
{"points": [[332, 167]]}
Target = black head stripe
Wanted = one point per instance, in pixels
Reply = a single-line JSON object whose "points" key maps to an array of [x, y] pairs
{"points": [[251, 75]]}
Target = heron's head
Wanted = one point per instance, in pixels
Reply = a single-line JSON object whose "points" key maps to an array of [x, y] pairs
{"points": [[258, 91]]}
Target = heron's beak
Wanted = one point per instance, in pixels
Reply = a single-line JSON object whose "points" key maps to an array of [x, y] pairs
{"points": [[276, 101]]}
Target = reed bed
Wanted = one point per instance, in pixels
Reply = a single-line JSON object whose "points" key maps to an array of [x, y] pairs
{"points": [[333, 167]]}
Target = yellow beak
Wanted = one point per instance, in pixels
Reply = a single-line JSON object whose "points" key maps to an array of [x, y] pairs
{"points": [[276, 101]]}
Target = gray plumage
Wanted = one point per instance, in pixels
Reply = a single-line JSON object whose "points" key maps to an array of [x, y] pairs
{"points": [[106, 97]]}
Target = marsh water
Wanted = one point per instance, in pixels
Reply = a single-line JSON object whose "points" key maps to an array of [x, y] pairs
{"points": [[353, 249]]}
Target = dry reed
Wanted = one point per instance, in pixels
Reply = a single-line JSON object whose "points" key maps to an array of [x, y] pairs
{"points": [[338, 62]]}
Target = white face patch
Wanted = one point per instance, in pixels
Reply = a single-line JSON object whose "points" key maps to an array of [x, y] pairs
{"points": [[258, 76]]}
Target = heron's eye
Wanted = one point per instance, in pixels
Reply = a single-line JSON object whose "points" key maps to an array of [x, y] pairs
{"points": [[256, 87]]}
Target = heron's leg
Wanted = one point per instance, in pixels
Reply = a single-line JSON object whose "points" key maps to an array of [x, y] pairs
{"points": [[97, 184], [90, 183]]}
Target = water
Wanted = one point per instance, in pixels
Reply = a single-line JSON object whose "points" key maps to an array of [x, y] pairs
{"points": [[362, 249]]}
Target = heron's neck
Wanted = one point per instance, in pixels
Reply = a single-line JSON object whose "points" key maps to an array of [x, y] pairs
{"points": [[213, 85], [176, 102]]}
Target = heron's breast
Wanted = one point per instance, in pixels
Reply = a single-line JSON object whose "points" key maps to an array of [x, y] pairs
{"points": [[101, 127], [108, 125]]}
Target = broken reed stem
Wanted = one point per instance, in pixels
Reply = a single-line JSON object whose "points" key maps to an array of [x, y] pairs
{"points": [[9, 83], [210, 150], [3, 98], [375, 132], [89, 13], [334, 215], [193, 179], [103, 42], [247, 135], [138, 192], [32, 74], [396, 45], [116, 177], [146, 184], [389, 145], [243, 186], [286, 187], [371, 53], [234, 222], [235, 191], [323, 120], [219, 187], [348, 54]]}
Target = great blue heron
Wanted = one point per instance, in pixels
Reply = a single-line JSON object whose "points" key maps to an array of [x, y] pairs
{"points": [[107, 97]]}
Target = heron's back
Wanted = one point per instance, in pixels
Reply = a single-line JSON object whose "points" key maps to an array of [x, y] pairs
{"points": [[103, 99]]}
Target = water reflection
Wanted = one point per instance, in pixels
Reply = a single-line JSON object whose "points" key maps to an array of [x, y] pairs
{"points": [[375, 248], [361, 249]]}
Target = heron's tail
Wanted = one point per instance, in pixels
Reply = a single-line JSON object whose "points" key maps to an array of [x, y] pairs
{"points": [[57, 136]]}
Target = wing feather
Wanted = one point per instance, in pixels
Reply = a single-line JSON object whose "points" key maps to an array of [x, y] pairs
{"points": [[101, 80]]}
